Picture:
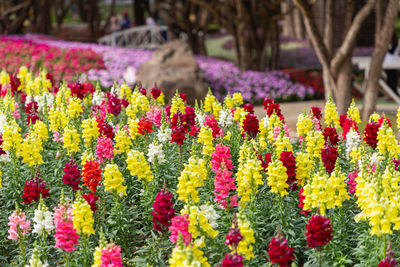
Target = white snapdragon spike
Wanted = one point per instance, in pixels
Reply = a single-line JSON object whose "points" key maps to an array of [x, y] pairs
{"points": [[375, 159], [45, 98], [225, 118], [164, 135], [98, 97], [352, 141], [43, 220], [155, 153], [115, 90], [200, 118], [265, 121], [5, 157], [3, 122], [210, 213], [35, 260]]}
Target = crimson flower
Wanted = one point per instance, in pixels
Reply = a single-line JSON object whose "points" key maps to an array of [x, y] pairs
{"points": [[331, 136], [319, 231], [189, 117], [389, 260], [279, 252], [301, 203], [265, 161], [251, 125], [163, 211], [31, 107], [105, 129], [270, 106], [371, 134], [183, 96], [232, 260], [329, 154], [2, 152], [249, 108], [289, 162], [316, 112], [113, 104], [72, 175], [33, 189], [213, 124], [155, 93], [91, 199]]}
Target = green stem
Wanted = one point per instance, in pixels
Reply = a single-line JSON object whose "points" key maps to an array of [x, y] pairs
{"points": [[22, 249]]}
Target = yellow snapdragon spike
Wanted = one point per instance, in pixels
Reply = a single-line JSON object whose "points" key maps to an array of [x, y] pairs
{"points": [[324, 191], [40, 129], [303, 167], [187, 256], [237, 99], [277, 177], [82, 217], [138, 166], [192, 177], [12, 140], [30, 150], [387, 142], [245, 246], [206, 139], [353, 112], [123, 142], [139, 103], [331, 116], [90, 130], [314, 143], [177, 104], [74, 108], [304, 125], [71, 139], [113, 180], [248, 179]]}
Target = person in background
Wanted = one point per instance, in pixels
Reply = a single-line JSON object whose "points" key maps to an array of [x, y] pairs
{"points": [[126, 21], [392, 55], [150, 20], [114, 25]]}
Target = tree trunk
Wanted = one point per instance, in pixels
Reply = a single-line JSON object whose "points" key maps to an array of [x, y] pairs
{"points": [[274, 44], [381, 46], [343, 94], [288, 21], [139, 9]]}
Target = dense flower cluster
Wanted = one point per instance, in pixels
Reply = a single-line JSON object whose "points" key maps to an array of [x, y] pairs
{"points": [[163, 211], [279, 251], [319, 231]]}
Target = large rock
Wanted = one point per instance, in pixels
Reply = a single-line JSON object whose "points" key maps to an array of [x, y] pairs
{"points": [[174, 67]]}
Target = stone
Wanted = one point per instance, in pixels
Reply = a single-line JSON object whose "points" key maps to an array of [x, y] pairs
{"points": [[174, 67]]}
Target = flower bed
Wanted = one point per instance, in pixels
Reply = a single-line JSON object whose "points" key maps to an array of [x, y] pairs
{"points": [[222, 76], [62, 63], [119, 178]]}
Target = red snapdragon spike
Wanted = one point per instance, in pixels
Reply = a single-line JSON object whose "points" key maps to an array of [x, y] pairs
{"points": [[194, 131], [331, 136], [347, 124], [179, 129], [279, 252], [50, 77], [2, 152], [389, 260], [14, 84], [113, 104], [232, 260], [33, 189], [319, 231], [289, 161], [163, 211], [251, 125], [143, 91], [72, 175], [301, 203], [91, 174], [91, 199], [265, 161], [213, 124], [316, 112], [189, 117], [352, 184], [249, 108], [270, 106], [105, 129], [32, 118], [233, 237], [167, 112], [329, 154], [155, 93], [371, 134], [80, 90], [183, 96], [144, 126], [31, 107]]}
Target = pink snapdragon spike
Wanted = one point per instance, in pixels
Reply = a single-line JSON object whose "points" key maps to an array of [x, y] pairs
{"points": [[19, 225], [221, 164], [180, 226], [66, 237], [104, 149], [111, 256]]}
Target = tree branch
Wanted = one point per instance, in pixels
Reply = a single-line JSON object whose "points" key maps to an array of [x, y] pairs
{"points": [[350, 38]]}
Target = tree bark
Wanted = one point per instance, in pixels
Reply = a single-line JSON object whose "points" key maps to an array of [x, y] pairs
{"points": [[139, 9], [381, 46], [335, 66]]}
